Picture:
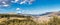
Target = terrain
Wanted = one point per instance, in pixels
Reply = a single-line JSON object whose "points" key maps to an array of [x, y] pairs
{"points": [[49, 18]]}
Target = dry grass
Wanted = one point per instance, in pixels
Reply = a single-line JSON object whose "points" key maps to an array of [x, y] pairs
{"points": [[54, 20]]}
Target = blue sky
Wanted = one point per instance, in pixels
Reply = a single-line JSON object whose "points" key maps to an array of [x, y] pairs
{"points": [[29, 6]]}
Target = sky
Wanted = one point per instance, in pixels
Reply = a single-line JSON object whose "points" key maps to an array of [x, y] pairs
{"points": [[29, 6]]}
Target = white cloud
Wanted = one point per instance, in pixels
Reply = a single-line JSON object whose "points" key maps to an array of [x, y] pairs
{"points": [[32, 12], [12, 1], [27, 1], [15, 1], [5, 5], [4, 2], [22, 2], [31, 1], [17, 9]]}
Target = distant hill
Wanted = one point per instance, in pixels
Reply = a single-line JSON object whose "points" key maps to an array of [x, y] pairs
{"points": [[46, 16]]}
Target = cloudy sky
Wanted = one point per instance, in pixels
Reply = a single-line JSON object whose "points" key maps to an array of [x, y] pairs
{"points": [[29, 6]]}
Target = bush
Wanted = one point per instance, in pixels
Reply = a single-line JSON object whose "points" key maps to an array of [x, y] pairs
{"points": [[18, 22], [53, 21]]}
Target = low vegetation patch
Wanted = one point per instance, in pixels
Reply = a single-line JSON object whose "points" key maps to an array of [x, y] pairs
{"points": [[53, 21]]}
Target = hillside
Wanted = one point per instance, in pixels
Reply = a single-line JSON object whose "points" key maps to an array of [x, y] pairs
{"points": [[22, 19], [46, 16]]}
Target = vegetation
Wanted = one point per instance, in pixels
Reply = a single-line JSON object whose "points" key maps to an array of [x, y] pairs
{"points": [[53, 21], [18, 22]]}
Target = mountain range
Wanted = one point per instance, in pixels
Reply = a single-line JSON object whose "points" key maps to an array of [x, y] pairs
{"points": [[45, 16]]}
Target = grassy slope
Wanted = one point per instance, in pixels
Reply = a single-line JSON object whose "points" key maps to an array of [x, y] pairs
{"points": [[53, 21]]}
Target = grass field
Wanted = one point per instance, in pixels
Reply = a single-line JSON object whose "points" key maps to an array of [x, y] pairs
{"points": [[16, 21]]}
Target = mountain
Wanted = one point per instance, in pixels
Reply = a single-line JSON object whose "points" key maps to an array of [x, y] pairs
{"points": [[46, 16]]}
